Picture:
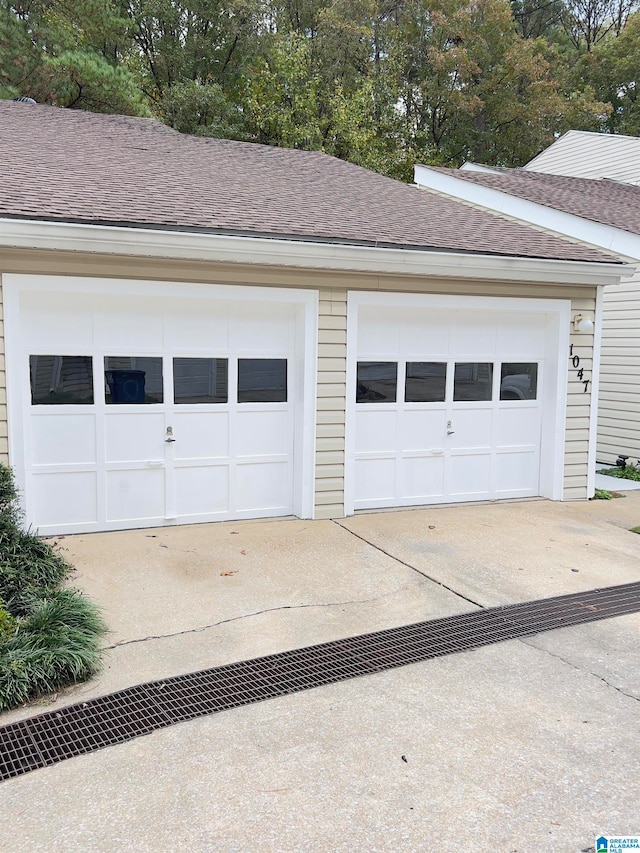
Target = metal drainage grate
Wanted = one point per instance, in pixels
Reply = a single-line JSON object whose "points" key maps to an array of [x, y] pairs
{"points": [[119, 717]]}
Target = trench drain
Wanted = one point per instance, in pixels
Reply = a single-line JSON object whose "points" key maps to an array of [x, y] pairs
{"points": [[118, 717]]}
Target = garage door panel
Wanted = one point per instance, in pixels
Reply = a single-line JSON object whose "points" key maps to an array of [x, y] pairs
{"points": [[202, 490], [65, 498], [377, 334], [135, 494], [471, 428], [517, 472], [263, 486], [201, 435], [376, 480], [522, 335], [260, 328], [421, 331], [61, 438], [418, 429], [47, 319], [121, 326], [469, 475], [422, 477], [469, 336], [133, 437], [261, 432], [193, 326], [517, 425], [376, 430]]}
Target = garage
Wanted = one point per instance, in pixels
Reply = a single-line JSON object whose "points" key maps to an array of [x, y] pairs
{"points": [[454, 399], [140, 404]]}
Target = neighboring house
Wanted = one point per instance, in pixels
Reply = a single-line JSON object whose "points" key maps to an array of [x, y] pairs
{"points": [[600, 213], [583, 154], [200, 329]]}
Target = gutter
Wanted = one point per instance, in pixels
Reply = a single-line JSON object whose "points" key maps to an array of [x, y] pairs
{"points": [[157, 243]]}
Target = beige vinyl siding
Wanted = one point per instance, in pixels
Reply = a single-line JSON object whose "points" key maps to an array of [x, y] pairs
{"points": [[619, 409], [331, 403], [576, 451]]}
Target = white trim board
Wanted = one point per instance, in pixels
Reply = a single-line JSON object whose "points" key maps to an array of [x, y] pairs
{"points": [[141, 242], [605, 237]]}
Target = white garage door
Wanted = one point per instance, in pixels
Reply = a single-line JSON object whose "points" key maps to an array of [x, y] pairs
{"points": [[448, 400], [149, 408]]}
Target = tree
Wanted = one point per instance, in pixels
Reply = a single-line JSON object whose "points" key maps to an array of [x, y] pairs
{"points": [[473, 88], [613, 69], [67, 52], [587, 22]]}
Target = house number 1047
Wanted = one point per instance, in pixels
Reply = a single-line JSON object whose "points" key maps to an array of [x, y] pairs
{"points": [[575, 361]]}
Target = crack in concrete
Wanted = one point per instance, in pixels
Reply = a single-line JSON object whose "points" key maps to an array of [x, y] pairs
{"points": [[579, 669], [408, 565], [202, 628]]}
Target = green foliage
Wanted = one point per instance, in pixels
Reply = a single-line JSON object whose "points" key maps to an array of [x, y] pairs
{"points": [[68, 53], [629, 472], [381, 85], [602, 495], [49, 636]]}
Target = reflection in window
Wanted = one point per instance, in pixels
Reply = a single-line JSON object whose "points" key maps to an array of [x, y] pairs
{"points": [[519, 381], [376, 382], [262, 380], [200, 380], [61, 379], [132, 379], [425, 382], [473, 380]]}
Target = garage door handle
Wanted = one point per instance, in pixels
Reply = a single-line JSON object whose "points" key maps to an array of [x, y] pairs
{"points": [[169, 440], [450, 431]]}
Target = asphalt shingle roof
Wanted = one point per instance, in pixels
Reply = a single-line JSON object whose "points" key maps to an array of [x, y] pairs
{"points": [[71, 166], [600, 200]]}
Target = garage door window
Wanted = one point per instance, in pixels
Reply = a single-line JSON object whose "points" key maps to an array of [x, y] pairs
{"points": [[132, 379], [262, 380], [425, 382], [519, 381], [61, 380], [376, 382], [200, 380], [473, 381]]}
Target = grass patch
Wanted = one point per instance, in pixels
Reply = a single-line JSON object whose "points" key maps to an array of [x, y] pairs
{"points": [[635, 529], [49, 634], [629, 472]]}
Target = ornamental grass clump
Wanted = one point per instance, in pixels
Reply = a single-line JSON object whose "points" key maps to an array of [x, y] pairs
{"points": [[49, 634]]}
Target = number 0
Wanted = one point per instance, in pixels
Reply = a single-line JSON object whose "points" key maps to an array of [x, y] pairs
{"points": [[576, 360]]}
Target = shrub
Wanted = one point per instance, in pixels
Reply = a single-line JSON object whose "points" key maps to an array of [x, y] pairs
{"points": [[49, 635]]}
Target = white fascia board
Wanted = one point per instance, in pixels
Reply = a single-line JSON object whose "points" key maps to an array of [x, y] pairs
{"points": [[141, 242], [613, 240]]}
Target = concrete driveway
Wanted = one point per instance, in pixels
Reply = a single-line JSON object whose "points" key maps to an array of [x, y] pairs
{"points": [[526, 745]]}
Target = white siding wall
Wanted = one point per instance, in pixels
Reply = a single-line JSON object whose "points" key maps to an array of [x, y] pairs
{"points": [[581, 154], [619, 411]]}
